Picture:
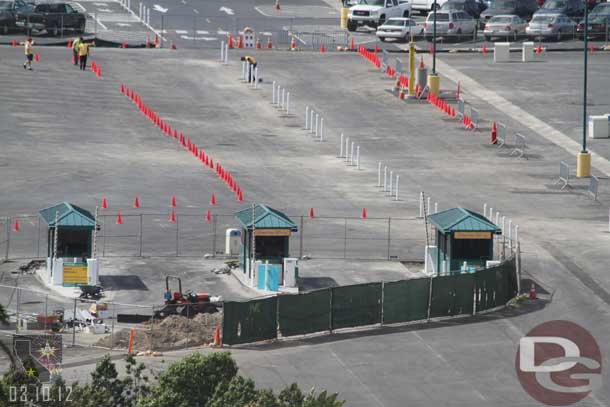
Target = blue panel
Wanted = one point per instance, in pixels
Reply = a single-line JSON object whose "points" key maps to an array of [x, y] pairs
{"points": [[260, 277], [273, 277]]}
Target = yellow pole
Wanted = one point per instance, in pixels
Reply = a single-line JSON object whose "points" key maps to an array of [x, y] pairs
{"points": [[583, 165], [411, 87], [344, 13]]}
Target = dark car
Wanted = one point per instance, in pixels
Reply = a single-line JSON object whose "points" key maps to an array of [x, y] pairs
{"points": [[53, 18], [571, 8], [599, 22], [8, 11], [521, 8], [469, 6]]}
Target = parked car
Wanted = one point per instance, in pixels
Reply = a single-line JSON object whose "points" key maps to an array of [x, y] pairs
{"points": [[424, 6], [53, 18], [550, 26], [469, 6], [599, 21], [399, 28], [375, 12], [450, 24], [522, 8], [504, 26], [8, 11], [571, 8]]}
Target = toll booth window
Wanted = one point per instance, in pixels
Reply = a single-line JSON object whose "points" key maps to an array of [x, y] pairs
{"points": [[73, 243], [470, 249], [270, 246]]}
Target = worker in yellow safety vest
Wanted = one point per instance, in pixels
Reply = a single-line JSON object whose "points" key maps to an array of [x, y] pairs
{"points": [[28, 47], [75, 44], [252, 62], [83, 52]]}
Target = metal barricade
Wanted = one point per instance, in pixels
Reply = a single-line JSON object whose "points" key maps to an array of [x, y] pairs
{"points": [[593, 185], [474, 118], [519, 147], [564, 175], [501, 134], [460, 111]]}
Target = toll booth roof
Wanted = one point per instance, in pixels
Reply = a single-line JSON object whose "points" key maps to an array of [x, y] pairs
{"points": [[264, 218], [462, 220], [70, 216]]}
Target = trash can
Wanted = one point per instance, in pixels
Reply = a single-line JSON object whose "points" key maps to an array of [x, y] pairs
{"points": [[598, 126], [232, 241], [528, 51], [502, 52]]}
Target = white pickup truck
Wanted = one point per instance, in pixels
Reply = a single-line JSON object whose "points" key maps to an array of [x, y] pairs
{"points": [[375, 12], [424, 6]]}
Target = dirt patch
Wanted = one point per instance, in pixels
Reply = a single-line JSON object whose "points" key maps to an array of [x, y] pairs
{"points": [[173, 332]]}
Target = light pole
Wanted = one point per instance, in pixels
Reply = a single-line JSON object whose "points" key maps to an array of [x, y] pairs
{"points": [[583, 160], [433, 79]]}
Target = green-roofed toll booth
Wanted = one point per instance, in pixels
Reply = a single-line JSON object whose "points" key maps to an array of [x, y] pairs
{"points": [[461, 236], [71, 261], [272, 230]]}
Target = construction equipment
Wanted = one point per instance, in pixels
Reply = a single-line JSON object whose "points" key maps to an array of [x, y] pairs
{"points": [[185, 304]]}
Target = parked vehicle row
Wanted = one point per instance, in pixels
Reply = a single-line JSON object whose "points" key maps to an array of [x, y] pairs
{"points": [[52, 18]]}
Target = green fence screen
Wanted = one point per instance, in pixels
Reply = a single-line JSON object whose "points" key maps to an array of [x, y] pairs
{"points": [[405, 300], [251, 321], [304, 313], [356, 305], [452, 295]]}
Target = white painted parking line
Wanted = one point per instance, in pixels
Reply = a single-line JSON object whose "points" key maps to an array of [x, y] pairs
{"points": [[91, 14], [160, 9], [222, 32], [123, 24], [104, 10], [101, 4], [202, 32], [207, 20], [261, 11], [181, 32], [195, 11], [186, 37], [227, 10]]}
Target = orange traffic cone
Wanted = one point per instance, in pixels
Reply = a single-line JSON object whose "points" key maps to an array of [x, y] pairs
{"points": [[172, 216], [484, 49], [156, 41], [269, 44], [397, 84], [538, 50], [401, 94], [136, 202], [124, 45], [173, 45], [217, 337], [36, 57], [230, 41], [119, 218], [430, 50], [258, 43], [363, 213], [147, 42], [421, 63], [69, 43], [322, 49], [293, 44], [14, 43], [208, 216], [16, 225], [311, 214], [240, 44], [533, 292], [172, 202], [351, 44], [494, 133], [277, 5], [213, 199], [104, 203], [591, 49]]}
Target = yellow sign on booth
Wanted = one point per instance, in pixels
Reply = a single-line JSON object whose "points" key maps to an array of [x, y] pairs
{"points": [[472, 235], [75, 273]]}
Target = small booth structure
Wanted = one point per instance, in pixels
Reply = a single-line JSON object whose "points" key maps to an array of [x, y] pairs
{"points": [[73, 264], [464, 241], [274, 269]]}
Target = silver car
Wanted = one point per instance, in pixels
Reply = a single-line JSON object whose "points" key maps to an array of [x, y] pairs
{"points": [[505, 27], [550, 26], [450, 24]]}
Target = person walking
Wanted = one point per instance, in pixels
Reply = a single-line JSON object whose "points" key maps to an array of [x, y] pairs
{"points": [[28, 47], [75, 44], [252, 66], [83, 52]]}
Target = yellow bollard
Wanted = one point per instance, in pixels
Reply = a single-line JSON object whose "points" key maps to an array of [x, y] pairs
{"points": [[434, 83], [583, 165], [411, 87], [344, 13]]}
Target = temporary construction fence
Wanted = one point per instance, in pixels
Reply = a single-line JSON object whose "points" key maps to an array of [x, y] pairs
{"points": [[153, 235], [326, 310]]}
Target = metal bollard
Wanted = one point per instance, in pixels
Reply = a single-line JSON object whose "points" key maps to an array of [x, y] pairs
{"points": [[491, 214], [255, 78], [222, 52], [311, 122], [510, 234], [385, 178], [287, 102], [147, 16], [391, 181], [347, 149], [421, 204], [351, 161], [428, 206], [485, 209], [140, 16], [435, 207], [227, 54], [358, 157], [317, 120], [273, 97], [396, 189], [341, 147], [321, 129], [307, 119], [516, 235], [497, 217], [283, 97], [379, 174]]}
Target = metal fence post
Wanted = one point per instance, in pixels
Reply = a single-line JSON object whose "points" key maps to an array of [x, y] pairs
{"points": [[38, 239], [430, 298], [382, 301], [177, 237], [330, 312], [140, 235], [301, 240], [9, 221], [18, 309], [389, 236], [345, 240], [73, 320], [112, 326], [214, 236], [104, 237], [152, 324]]}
